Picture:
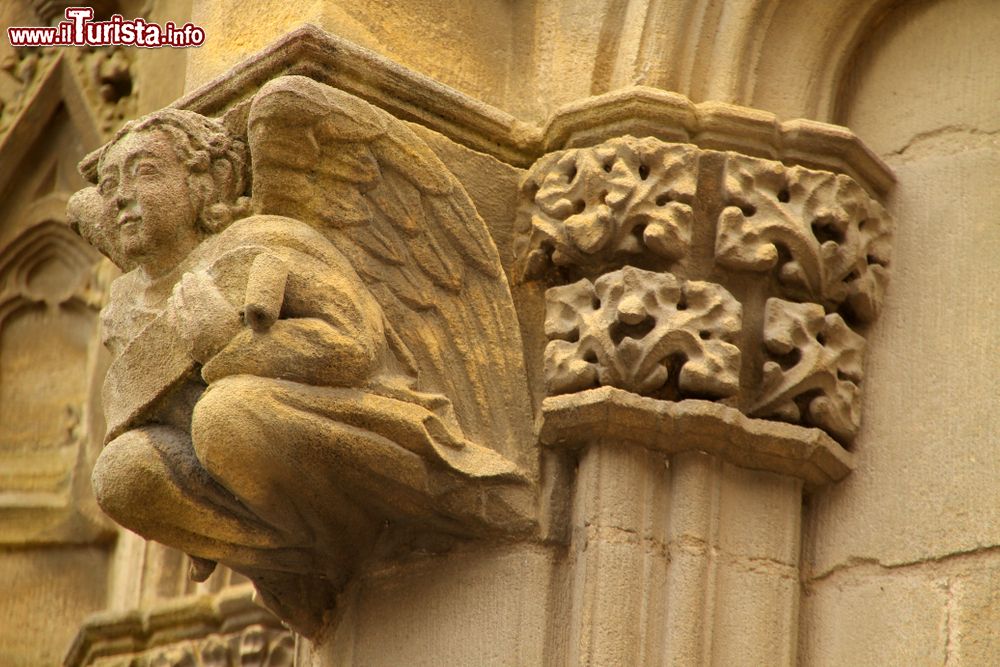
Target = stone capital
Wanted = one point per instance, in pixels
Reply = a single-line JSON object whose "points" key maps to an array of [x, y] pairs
{"points": [[685, 274]]}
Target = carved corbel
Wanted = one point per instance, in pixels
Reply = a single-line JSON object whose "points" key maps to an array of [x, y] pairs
{"points": [[302, 373]]}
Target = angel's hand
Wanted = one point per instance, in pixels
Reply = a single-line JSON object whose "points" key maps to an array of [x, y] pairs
{"points": [[203, 317]]}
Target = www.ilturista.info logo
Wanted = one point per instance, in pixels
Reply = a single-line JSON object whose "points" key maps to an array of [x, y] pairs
{"points": [[80, 30]]}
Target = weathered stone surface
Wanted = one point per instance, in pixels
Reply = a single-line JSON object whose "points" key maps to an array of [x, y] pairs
{"points": [[21, 72], [488, 606], [814, 237], [935, 448], [929, 453], [50, 292], [643, 111], [975, 613], [595, 208], [637, 110], [46, 596], [924, 497], [885, 619], [827, 240], [639, 330], [102, 83], [619, 555], [813, 370], [758, 538], [906, 88], [916, 80], [225, 629], [107, 81], [755, 616], [573, 420], [232, 335]]}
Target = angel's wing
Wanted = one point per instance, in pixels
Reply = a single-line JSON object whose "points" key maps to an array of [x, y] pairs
{"points": [[385, 200]]}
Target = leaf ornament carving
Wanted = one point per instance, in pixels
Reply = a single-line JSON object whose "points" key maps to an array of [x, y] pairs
{"points": [[825, 238], [598, 208], [813, 370], [649, 333]]}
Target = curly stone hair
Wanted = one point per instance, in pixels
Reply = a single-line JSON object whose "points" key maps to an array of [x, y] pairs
{"points": [[217, 162]]}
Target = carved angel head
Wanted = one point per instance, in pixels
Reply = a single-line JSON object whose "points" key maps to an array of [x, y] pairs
{"points": [[164, 182]]}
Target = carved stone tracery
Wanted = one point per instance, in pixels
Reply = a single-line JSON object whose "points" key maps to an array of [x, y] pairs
{"points": [[255, 646], [102, 78], [225, 629], [21, 72], [105, 77]]}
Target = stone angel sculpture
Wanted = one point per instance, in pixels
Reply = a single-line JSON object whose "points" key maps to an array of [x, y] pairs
{"points": [[310, 352]]}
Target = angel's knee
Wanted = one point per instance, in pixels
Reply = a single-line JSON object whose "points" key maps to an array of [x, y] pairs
{"points": [[226, 427], [131, 473]]}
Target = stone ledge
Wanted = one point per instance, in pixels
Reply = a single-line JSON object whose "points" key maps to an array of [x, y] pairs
{"points": [[611, 414], [640, 111], [643, 111], [177, 620], [312, 52]]}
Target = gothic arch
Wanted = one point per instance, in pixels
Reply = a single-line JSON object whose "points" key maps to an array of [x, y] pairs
{"points": [[48, 326]]}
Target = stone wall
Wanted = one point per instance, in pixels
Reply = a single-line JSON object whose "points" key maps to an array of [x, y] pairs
{"points": [[902, 557]]}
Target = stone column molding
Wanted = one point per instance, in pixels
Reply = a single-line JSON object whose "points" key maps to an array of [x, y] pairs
{"points": [[704, 312], [226, 629]]}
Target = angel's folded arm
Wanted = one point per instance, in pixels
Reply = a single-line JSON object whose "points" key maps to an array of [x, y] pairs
{"points": [[329, 331]]}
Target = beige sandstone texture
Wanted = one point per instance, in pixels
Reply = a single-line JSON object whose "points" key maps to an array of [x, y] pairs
{"points": [[507, 332], [921, 519]]}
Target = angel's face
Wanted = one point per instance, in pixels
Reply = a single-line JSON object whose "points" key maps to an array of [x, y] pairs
{"points": [[145, 193]]}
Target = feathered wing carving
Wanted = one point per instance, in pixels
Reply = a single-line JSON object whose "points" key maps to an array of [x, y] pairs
{"points": [[385, 200]]}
